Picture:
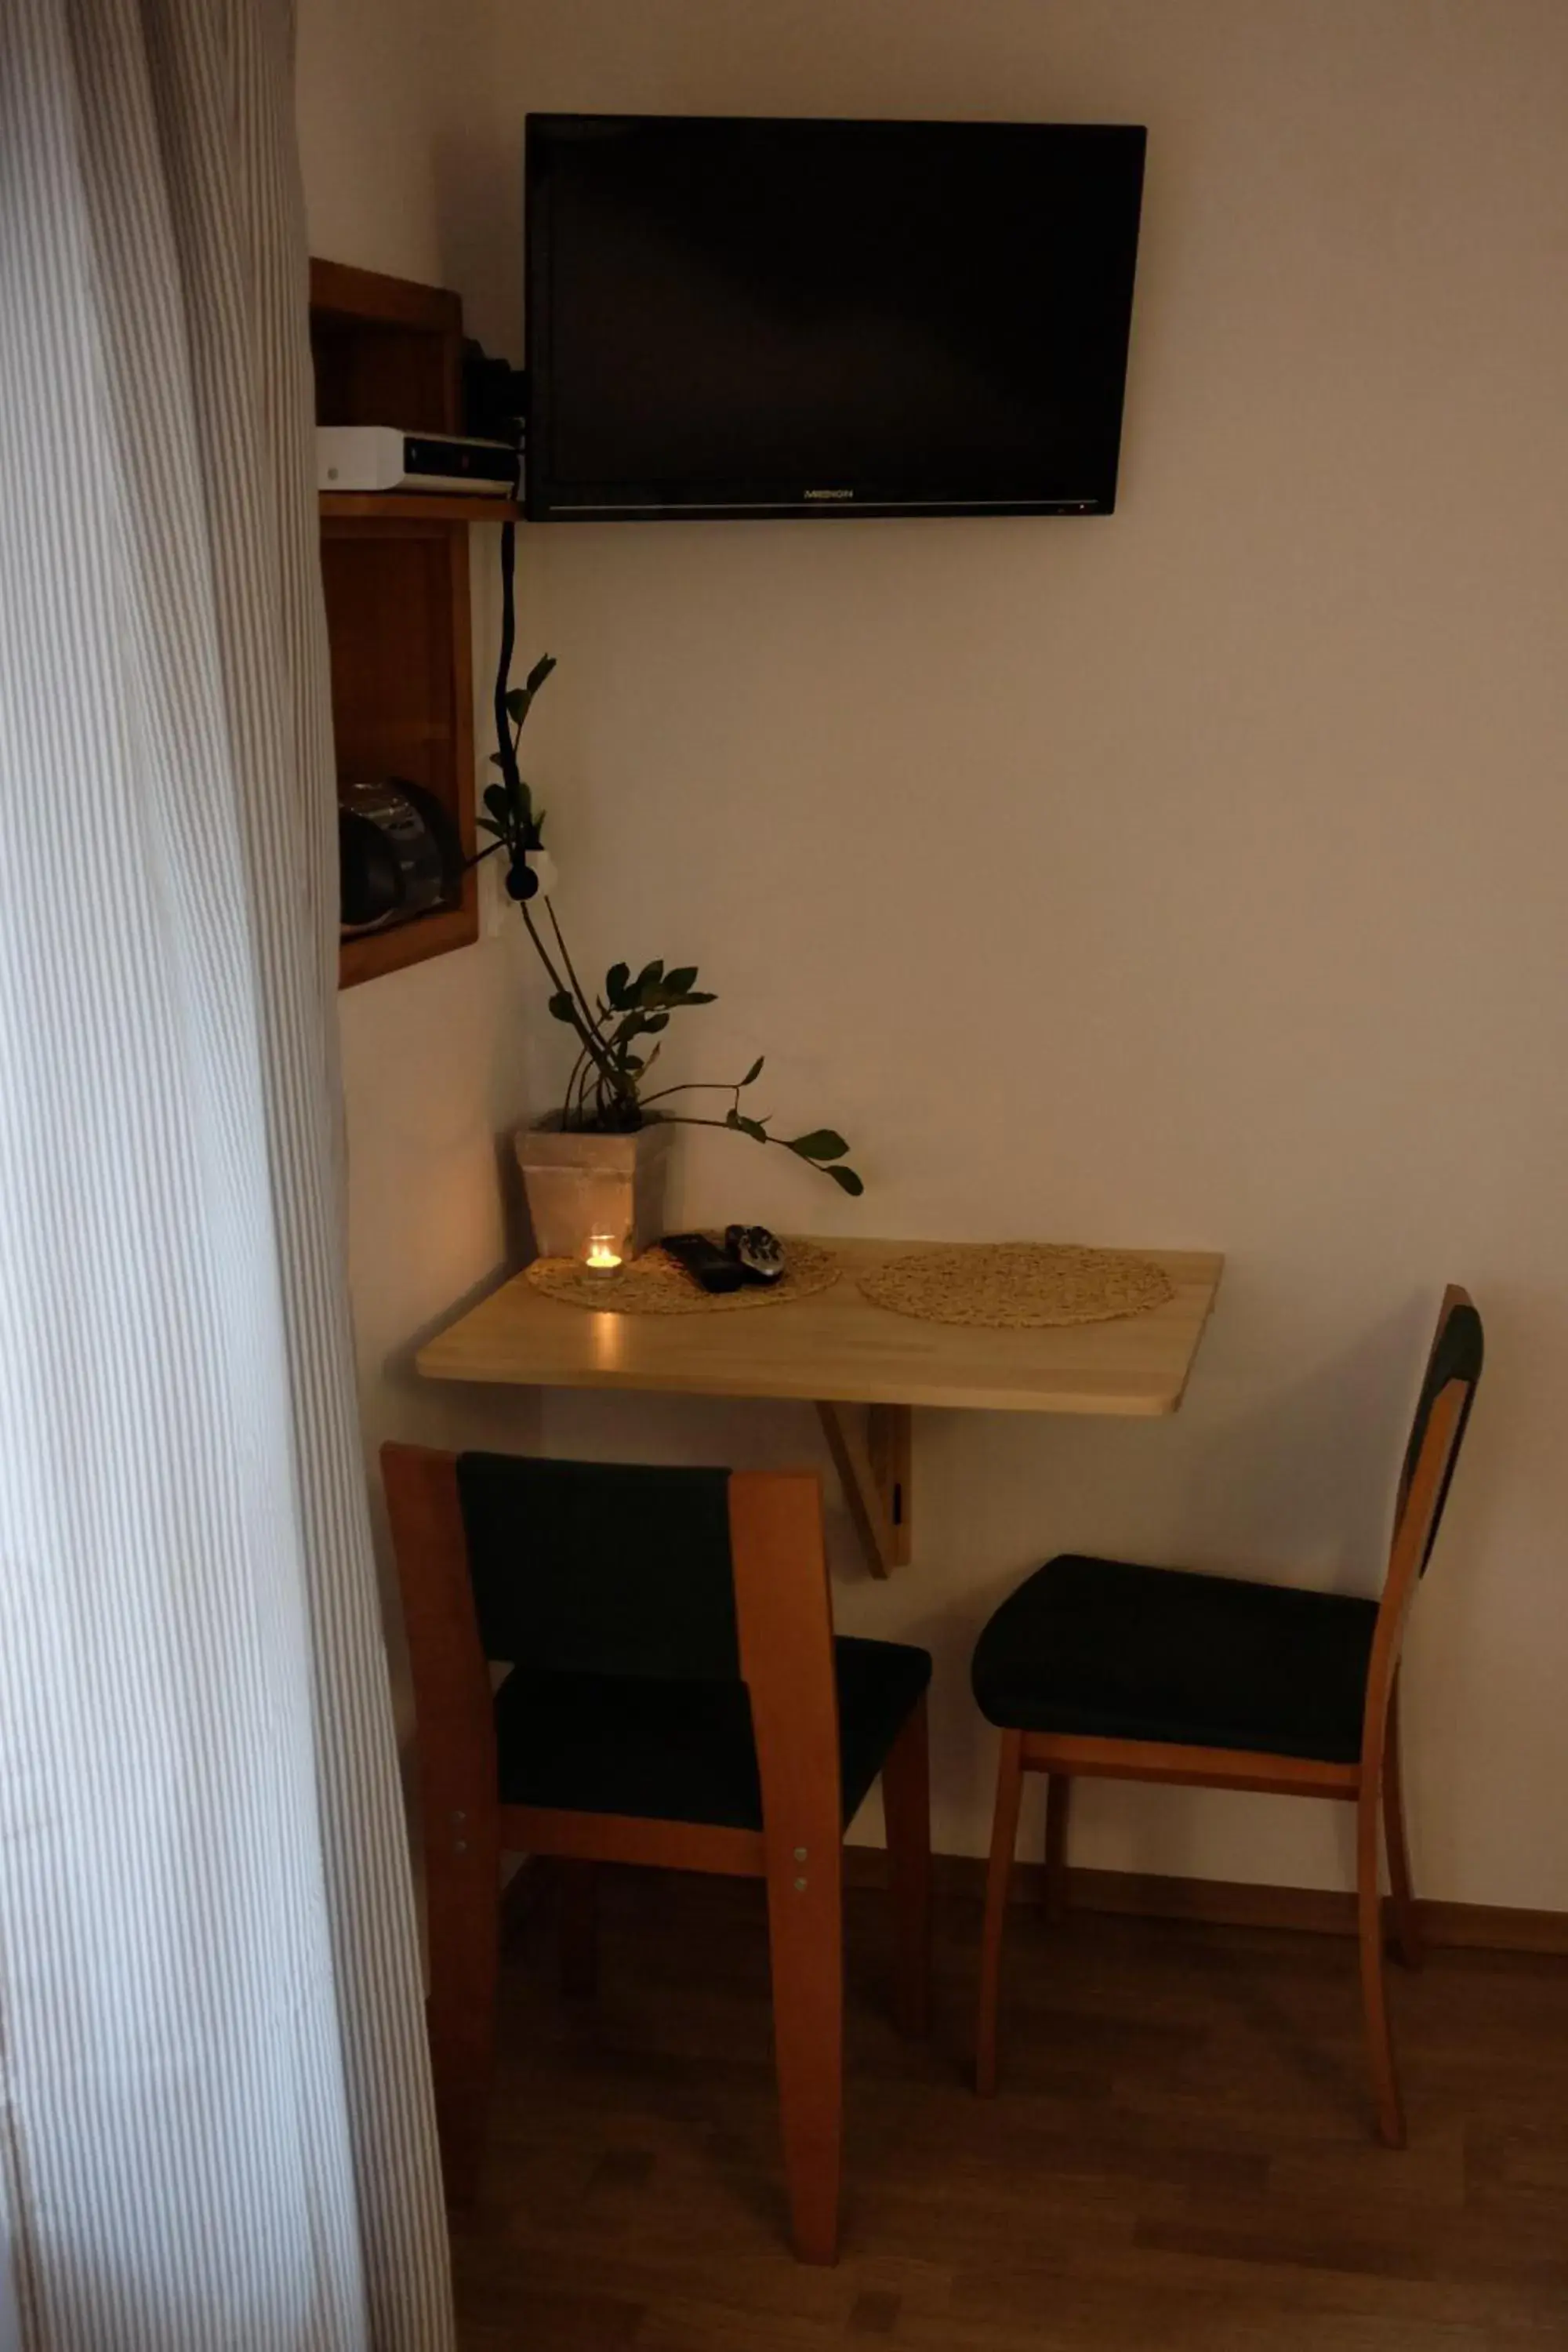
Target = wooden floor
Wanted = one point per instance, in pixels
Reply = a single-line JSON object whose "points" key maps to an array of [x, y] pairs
{"points": [[1178, 2156]]}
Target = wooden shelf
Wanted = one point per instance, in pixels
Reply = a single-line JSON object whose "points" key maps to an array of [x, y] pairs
{"points": [[386, 351], [415, 506], [395, 572], [372, 953]]}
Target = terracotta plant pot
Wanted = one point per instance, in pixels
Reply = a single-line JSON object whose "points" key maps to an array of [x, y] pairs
{"points": [[584, 1189]]}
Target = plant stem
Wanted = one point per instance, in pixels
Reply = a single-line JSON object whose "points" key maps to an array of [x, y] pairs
{"points": [[614, 1084], [686, 1118], [592, 1043], [582, 997], [576, 1107], [505, 740], [695, 1086], [578, 1066]]}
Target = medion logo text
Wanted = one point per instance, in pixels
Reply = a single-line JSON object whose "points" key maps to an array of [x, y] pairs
{"points": [[830, 494]]}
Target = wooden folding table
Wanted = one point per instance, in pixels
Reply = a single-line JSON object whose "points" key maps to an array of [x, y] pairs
{"points": [[837, 1351]]}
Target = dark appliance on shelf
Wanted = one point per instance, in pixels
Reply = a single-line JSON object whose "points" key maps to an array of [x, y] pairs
{"points": [[398, 854]]}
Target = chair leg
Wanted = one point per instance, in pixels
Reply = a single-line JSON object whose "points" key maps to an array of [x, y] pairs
{"points": [[462, 1877], [578, 1928], [998, 1885], [1058, 1800], [806, 1939], [905, 1809], [1375, 1992], [1406, 1933]]}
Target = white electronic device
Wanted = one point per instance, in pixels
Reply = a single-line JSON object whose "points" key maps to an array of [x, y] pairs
{"points": [[379, 457]]}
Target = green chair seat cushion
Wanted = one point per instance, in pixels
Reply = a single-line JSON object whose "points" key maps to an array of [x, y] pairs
{"points": [[683, 1750], [1109, 1650]]}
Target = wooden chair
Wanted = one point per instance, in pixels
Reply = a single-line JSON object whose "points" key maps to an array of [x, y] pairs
{"points": [[676, 1697], [1102, 1668]]}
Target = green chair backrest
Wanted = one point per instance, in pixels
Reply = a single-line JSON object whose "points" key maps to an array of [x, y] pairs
{"points": [[601, 1567], [1458, 1351]]}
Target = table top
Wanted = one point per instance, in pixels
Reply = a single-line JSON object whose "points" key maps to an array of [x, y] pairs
{"points": [[837, 1347]]}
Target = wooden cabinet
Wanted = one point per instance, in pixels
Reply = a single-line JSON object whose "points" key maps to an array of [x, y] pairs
{"points": [[395, 573]]}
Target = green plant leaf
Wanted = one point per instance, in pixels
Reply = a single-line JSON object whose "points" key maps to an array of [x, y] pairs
{"points": [[520, 700], [616, 988], [822, 1143], [743, 1126], [498, 801], [485, 826], [649, 1022], [754, 1074], [654, 986], [846, 1181], [661, 992], [564, 1007]]}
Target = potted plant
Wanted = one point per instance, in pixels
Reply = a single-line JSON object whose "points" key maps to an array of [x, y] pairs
{"points": [[594, 1170]]}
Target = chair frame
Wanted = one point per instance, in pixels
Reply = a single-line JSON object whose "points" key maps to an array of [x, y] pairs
{"points": [[1373, 1784], [785, 1624]]}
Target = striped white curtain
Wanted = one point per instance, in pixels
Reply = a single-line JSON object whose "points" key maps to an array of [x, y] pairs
{"points": [[214, 2116]]}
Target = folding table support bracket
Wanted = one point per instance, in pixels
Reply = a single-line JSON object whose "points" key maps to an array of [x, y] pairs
{"points": [[872, 1460]]}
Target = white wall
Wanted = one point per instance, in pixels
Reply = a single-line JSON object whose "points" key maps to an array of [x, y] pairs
{"points": [[433, 1060], [1195, 877]]}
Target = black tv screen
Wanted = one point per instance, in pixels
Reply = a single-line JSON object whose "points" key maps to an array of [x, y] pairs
{"points": [[746, 317]]}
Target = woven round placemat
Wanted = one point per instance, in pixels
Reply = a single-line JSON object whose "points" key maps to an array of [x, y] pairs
{"points": [[654, 1284], [1018, 1286]]}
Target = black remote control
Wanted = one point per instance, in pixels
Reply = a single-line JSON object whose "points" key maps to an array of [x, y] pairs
{"points": [[704, 1260]]}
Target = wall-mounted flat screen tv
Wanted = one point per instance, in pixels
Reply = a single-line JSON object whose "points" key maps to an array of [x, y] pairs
{"points": [[742, 317]]}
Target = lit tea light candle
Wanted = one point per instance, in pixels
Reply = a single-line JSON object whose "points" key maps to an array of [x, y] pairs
{"points": [[603, 1257]]}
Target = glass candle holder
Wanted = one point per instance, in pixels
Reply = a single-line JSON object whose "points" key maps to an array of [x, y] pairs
{"points": [[603, 1255]]}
